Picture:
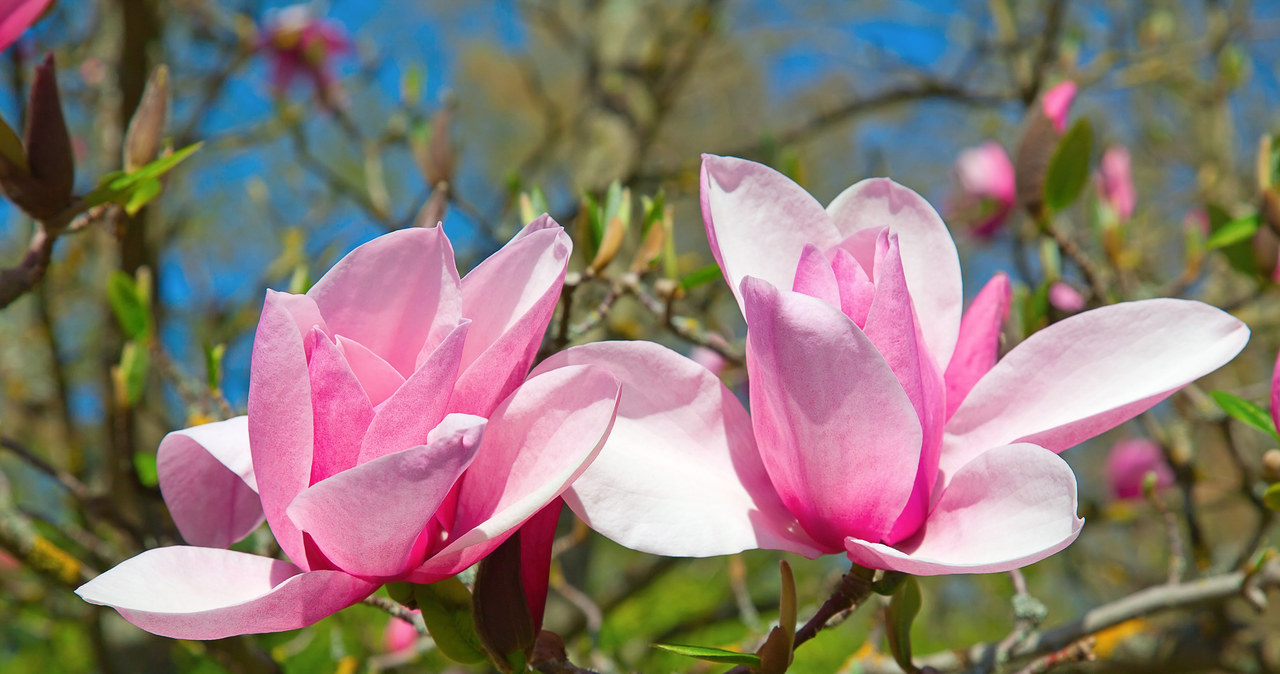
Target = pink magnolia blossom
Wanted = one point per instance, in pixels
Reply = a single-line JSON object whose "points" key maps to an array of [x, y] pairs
{"points": [[1115, 183], [391, 436], [1129, 463], [1056, 103], [1065, 298], [300, 45], [987, 188], [882, 425], [400, 635], [16, 16]]}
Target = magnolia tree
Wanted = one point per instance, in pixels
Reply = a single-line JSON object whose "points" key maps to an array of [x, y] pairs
{"points": [[596, 360]]}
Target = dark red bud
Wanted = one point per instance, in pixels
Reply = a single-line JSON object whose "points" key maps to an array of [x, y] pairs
{"points": [[49, 153], [502, 617]]}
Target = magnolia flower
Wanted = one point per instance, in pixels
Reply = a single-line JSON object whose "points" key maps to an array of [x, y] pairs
{"points": [[16, 16], [400, 635], [1115, 183], [1056, 103], [389, 438], [1129, 463], [881, 426], [987, 188], [300, 45]]}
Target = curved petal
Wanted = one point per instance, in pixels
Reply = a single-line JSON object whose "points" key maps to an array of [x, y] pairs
{"points": [[394, 294], [340, 409], [537, 538], [979, 341], [17, 17], [1009, 507], [1275, 393], [368, 519], [680, 473], [205, 593], [1088, 373], [509, 298], [538, 441], [376, 375], [407, 417], [815, 276], [892, 325], [280, 422], [206, 477], [928, 253], [838, 435], [758, 221]]}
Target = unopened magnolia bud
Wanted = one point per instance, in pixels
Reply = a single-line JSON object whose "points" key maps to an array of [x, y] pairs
{"points": [[146, 129], [1045, 123], [503, 621], [1271, 465], [49, 155], [433, 149]]}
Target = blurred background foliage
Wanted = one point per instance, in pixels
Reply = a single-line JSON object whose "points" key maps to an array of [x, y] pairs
{"points": [[481, 113]]}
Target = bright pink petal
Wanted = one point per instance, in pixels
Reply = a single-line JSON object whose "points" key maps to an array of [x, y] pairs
{"points": [[856, 289], [407, 417], [1009, 507], [1088, 373], [395, 295], [368, 519], [838, 435], [206, 593], [928, 253], [376, 375], [509, 298], [893, 327], [206, 477], [758, 221], [340, 410], [979, 342], [680, 473], [537, 442], [16, 16], [280, 422], [1275, 391]]}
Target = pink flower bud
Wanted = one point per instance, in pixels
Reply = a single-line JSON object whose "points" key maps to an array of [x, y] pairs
{"points": [[1115, 183], [1129, 463], [1065, 298], [987, 188], [400, 635], [1057, 103]]}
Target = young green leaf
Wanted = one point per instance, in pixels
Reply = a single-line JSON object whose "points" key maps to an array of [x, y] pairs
{"points": [[127, 303], [145, 466], [1271, 497], [133, 371], [700, 277], [1068, 170], [1246, 412], [1233, 232], [716, 655], [901, 613]]}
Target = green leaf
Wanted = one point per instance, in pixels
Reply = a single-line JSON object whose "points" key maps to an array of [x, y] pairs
{"points": [[446, 609], [119, 187], [1271, 497], [213, 365], [11, 147], [700, 277], [133, 371], [1239, 256], [141, 195], [1246, 412], [1233, 232], [1036, 308], [901, 613], [145, 466], [1068, 170], [132, 312], [613, 203], [716, 655]]}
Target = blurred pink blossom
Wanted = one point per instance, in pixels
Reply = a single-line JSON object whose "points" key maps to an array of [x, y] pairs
{"points": [[1115, 182], [300, 45], [1065, 298], [16, 16], [708, 358], [1129, 463], [1197, 218], [987, 188], [1057, 103], [400, 635]]}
